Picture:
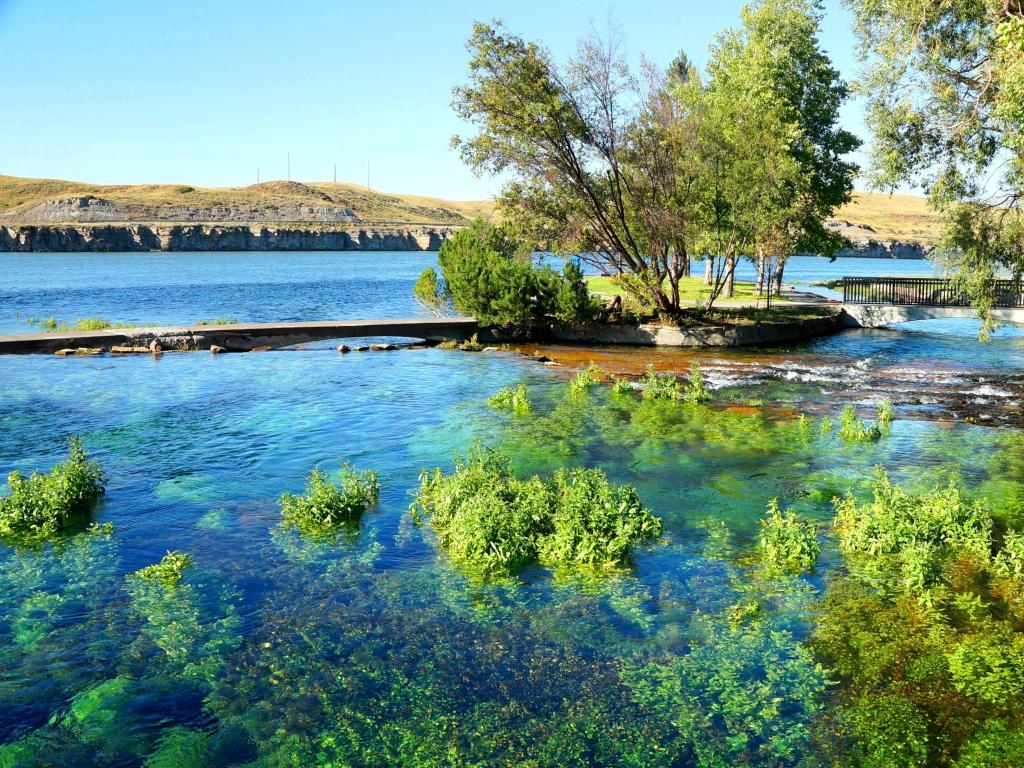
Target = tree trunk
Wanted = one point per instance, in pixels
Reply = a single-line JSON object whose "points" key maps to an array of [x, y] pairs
{"points": [[730, 276], [777, 281], [709, 269], [760, 274], [686, 266]]}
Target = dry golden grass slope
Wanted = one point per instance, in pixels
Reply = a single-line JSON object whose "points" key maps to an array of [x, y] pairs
{"points": [[889, 217], [892, 217], [19, 196]]}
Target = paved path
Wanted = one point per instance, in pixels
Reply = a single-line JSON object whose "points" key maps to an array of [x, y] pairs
{"points": [[242, 336]]}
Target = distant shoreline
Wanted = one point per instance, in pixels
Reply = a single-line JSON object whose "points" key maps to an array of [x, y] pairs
{"points": [[142, 238]]}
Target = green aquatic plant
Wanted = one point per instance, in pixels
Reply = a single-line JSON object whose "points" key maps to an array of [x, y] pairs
{"points": [[696, 390], [906, 538], [622, 387], [325, 506], [585, 379], [487, 518], [746, 694], [168, 572], [787, 542], [40, 506], [885, 414], [661, 386], [513, 399], [854, 430], [594, 522], [186, 631], [1009, 561]]}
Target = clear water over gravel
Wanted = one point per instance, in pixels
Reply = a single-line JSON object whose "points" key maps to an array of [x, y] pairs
{"points": [[374, 649]]}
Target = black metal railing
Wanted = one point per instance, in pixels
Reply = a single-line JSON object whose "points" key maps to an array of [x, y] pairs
{"points": [[925, 291]]}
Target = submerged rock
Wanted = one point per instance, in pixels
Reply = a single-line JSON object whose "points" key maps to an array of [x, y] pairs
{"points": [[344, 348], [216, 350]]}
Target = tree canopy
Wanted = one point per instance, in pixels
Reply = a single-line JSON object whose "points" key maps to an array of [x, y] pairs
{"points": [[641, 173], [945, 87]]}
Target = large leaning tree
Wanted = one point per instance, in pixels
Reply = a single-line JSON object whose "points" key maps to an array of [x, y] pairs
{"points": [[593, 168], [945, 83], [639, 175]]}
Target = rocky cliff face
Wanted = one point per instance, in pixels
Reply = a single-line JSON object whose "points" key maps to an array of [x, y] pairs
{"points": [[88, 208], [203, 237], [865, 245]]}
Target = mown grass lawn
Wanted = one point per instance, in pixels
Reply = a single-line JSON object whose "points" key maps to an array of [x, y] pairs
{"points": [[691, 289]]}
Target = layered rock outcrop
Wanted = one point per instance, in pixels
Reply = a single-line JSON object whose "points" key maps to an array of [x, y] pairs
{"points": [[211, 237]]}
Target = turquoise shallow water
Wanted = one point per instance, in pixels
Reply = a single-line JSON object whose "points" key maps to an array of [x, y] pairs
{"points": [[374, 649]]}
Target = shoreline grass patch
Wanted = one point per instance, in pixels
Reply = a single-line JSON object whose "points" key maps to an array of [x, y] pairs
{"points": [[489, 520], [326, 507], [40, 506]]}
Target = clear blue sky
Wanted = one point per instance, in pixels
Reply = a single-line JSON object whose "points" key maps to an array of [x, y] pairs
{"points": [[207, 91]]}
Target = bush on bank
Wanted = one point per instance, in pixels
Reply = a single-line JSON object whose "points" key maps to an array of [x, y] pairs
{"points": [[40, 506], [488, 519], [489, 275]]}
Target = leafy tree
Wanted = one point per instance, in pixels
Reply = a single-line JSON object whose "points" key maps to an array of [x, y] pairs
{"points": [[775, 63], [945, 83], [590, 171]]}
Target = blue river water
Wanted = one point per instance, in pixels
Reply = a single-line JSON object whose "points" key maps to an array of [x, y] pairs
{"points": [[374, 649]]}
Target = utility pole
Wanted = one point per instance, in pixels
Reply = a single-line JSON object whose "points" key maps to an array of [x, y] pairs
{"points": [[289, 166], [257, 175], [335, 173]]}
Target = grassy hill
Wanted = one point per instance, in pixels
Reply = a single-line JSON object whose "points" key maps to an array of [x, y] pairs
{"points": [[891, 217], [871, 216], [20, 199]]}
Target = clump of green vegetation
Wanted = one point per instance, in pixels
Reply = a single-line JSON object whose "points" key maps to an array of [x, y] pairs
{"points": [[489, 520], [585, 379], [325, 506], [169, 571], [472, 344], [41, 505], [219, 320], [82, 324], [488, 274], [855, 430], [885, 414], [909, 537], [661, 386], [429, 292], [923, 634], [512, 399], [622, 387], [787, 542], [747, 693], [696, 391], [758, 403]]}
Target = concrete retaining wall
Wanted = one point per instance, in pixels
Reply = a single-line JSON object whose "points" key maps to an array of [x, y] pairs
{"points": [[701, 336]]}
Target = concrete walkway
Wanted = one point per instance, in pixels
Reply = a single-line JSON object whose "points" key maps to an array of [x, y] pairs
{"points": [[240, 337]]}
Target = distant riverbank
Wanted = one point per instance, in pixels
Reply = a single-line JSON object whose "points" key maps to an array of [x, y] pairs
{"points": [[128, 238], [95, 238]]}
